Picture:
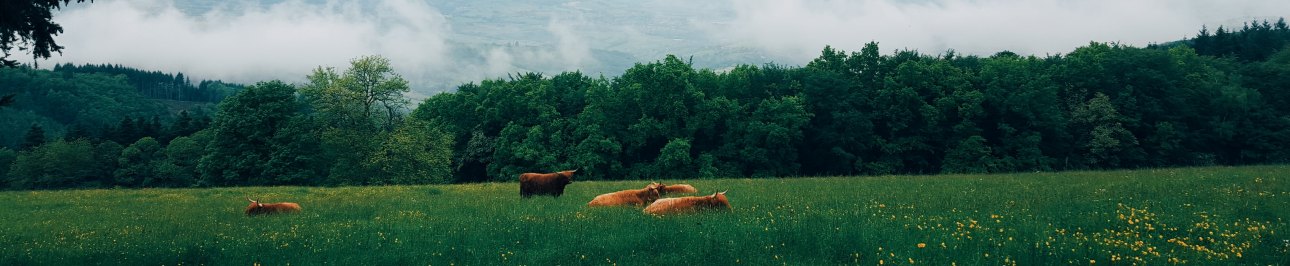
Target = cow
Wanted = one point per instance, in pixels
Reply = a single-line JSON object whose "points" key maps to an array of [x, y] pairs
{"points": [[716, 201], [257, 208], [679, 188], [635, 197], [545, 184]]}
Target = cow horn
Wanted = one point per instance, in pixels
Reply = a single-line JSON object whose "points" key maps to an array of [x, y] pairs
{"points": [[249, 199]]}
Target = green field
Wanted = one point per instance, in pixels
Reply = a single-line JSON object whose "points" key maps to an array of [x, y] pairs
{"points": [[1213, 215]]}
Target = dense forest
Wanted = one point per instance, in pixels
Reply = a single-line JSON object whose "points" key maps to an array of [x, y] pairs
{"points": [[1220, 98], [158, 85]]}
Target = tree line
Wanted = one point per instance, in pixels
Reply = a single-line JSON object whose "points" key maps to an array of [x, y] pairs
{"points": [[1255, 41], [159, 85], [57, 102], [1101, 106], [341, 128]]}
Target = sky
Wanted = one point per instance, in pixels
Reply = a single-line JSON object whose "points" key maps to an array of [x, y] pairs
{"points": [[439, 44]]}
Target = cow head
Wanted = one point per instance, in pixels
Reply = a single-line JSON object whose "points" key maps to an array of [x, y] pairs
{"points": [[720, 200], [568, 174], [655, 190], [254, 207]]}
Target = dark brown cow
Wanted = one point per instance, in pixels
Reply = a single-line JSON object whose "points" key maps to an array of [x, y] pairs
{"points": [[679, 188], [257, 208], [545, 184], [716, 201], [636, 197]]}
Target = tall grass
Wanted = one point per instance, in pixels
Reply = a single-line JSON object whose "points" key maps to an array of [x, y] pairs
{"points": [[1215, 215]]}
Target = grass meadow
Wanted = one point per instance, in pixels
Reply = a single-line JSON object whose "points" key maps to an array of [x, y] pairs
{"points": [[1198, 216]]}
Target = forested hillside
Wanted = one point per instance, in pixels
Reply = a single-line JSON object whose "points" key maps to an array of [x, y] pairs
{"points": [[1101, 106], [158, 85]]}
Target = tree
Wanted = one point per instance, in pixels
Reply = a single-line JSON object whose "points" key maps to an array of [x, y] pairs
{"points": [[139, 165], [1023, 121], [126, 131], [969, 156], [181, 158], [29, 23], [297, 156], [7, 157], [1101, 133], [78, 131], [839, 94], [242, 134], [658, 101], [345, 153], [417, 152], [58, 164], [764, 141], [107, 155], [369, 95], [34, 138], [353, 111]]}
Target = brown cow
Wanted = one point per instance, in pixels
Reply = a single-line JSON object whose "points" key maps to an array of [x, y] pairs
{"points": [[257, 208], [636, 197], [545, 184], [679, 188], [716, 201]]}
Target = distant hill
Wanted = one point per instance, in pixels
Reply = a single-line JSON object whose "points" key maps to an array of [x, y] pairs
{"points": [[160, 85], [58, 101]]}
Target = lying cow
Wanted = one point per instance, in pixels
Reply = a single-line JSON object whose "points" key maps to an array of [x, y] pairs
{"points": [[545, 184], [679, 188], [257, 208], [716, 201], [635, 197]]}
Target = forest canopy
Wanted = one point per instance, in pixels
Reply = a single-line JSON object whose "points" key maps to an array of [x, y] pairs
{"points": [[1219, 98]]}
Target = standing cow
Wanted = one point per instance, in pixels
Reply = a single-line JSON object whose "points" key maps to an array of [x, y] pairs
{"points": [[545, 184], [257, 208], [716, 201], [636, 197]]}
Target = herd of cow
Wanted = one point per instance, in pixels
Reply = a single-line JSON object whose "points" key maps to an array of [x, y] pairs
{"points": [[651, 196], [552, 184]]}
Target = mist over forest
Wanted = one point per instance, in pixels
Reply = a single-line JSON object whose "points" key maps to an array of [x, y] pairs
{"points": [[761, 132], [438, 44], [210, 93]]}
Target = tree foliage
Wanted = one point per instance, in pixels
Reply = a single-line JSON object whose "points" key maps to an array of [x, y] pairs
{"points": [[1101, 106], [58, 102], [159, 85], [57, 164], [241, 134], [29, 25]]}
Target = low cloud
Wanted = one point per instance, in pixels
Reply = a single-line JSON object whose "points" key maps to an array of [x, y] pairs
{"points": [[247, 42], [282, 41]]}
